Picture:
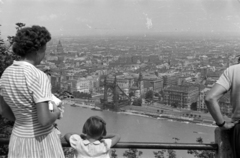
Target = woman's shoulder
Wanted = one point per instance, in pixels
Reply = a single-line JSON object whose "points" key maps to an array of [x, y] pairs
{"points": [[34, 72]]}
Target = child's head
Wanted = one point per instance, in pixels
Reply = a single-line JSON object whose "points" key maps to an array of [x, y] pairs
{"points": [[95, 127]]}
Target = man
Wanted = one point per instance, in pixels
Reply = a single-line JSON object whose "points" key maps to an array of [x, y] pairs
{"points": [[228, 81]]}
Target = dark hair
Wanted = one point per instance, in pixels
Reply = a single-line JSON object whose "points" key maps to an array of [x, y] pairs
{"points": [[94, 127], [30, 39]]}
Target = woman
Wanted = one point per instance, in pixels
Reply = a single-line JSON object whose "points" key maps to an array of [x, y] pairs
{"points": [[26, 92]]}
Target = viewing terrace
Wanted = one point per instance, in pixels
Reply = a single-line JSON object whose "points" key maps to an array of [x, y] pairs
{"points": [[221, 145]]}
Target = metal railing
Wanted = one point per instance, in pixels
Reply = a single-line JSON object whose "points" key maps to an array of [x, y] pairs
{"points": [[148, 145]]}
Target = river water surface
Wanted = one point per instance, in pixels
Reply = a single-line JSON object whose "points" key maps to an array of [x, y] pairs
{"points": [[138, 128]]}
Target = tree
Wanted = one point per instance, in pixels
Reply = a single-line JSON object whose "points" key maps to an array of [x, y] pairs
{"points": [[149, 95], [174, 105], [132, 153], [7, 56], [165, 153], [171, 153], [5, 132], [131, 94], [201, 153], [156, 95], [6, 59], [76, 94], [68, 152], [137, 102], [113, 153], [159, 154]]}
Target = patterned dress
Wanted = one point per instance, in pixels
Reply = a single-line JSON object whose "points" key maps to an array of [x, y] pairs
{"points": [[23, 85]]}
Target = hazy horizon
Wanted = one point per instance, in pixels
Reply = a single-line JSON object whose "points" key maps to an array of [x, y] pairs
{"points": [[123, 17]]}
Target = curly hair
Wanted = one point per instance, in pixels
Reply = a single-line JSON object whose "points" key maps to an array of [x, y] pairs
{"points": [[30, 39]]}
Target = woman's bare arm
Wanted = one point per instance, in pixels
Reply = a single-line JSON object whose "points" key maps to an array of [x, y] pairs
{"points": [[45, 117]]}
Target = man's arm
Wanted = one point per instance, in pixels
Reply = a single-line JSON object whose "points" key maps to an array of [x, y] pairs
{"points": [[6, 110], [211, 101]]}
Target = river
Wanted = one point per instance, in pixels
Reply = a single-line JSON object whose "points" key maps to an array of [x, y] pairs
{"points": [[138, 128]]}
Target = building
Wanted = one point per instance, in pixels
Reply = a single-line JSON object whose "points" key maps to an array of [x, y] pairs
{"points": [[181, 96], [155, 84], [60, 48], [125, 83], [136, 59], [201, 106], [169, 80], [126, 59], [154, 59], [83, 85]]}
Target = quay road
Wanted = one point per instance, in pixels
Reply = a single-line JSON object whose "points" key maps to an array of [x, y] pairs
{"points": [[160, 110]]}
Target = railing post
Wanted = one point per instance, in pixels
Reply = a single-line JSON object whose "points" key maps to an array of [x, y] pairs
{"points": [[224, 147]]}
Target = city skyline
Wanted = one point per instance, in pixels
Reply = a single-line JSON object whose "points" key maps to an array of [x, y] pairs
{"points": [[122, 17]]}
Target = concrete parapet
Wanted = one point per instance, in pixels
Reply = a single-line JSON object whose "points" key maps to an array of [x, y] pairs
{"points": [[224, 147]]}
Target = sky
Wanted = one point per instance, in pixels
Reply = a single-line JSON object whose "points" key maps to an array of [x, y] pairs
{"points": [[120, 17]]}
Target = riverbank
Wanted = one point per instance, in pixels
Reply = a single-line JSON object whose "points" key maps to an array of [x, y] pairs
{"points": [[170, 115], [158, 111], [137, 128], [173, 113]]}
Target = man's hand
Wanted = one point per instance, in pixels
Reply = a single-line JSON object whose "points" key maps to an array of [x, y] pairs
{"points": [[228, 125]]}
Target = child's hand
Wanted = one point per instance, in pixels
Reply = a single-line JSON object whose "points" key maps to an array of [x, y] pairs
{"points": [[60, 105], [61, 112]]}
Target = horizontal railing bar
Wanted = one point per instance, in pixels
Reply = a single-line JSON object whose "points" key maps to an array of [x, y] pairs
{"points": [[176, 146], [148, 145]]}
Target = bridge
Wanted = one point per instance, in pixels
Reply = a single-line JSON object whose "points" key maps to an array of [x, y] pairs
{"points": [[119, 97]]}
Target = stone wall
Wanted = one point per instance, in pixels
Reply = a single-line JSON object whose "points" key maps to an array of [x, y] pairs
{"points": [[222, 139]]}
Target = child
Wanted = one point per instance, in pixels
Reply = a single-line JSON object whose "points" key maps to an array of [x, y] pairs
{"points": [[94, 142]]}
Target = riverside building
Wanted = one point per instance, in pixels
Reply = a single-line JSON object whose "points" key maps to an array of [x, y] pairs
{"points": [[181, 96]]}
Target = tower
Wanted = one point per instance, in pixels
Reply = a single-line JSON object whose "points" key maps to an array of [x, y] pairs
{"points": [[105, 89], [60, 48], [140, 83], [115, 92]]}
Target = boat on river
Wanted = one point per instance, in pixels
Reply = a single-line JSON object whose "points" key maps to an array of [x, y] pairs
{"points": [[96, 108]]}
